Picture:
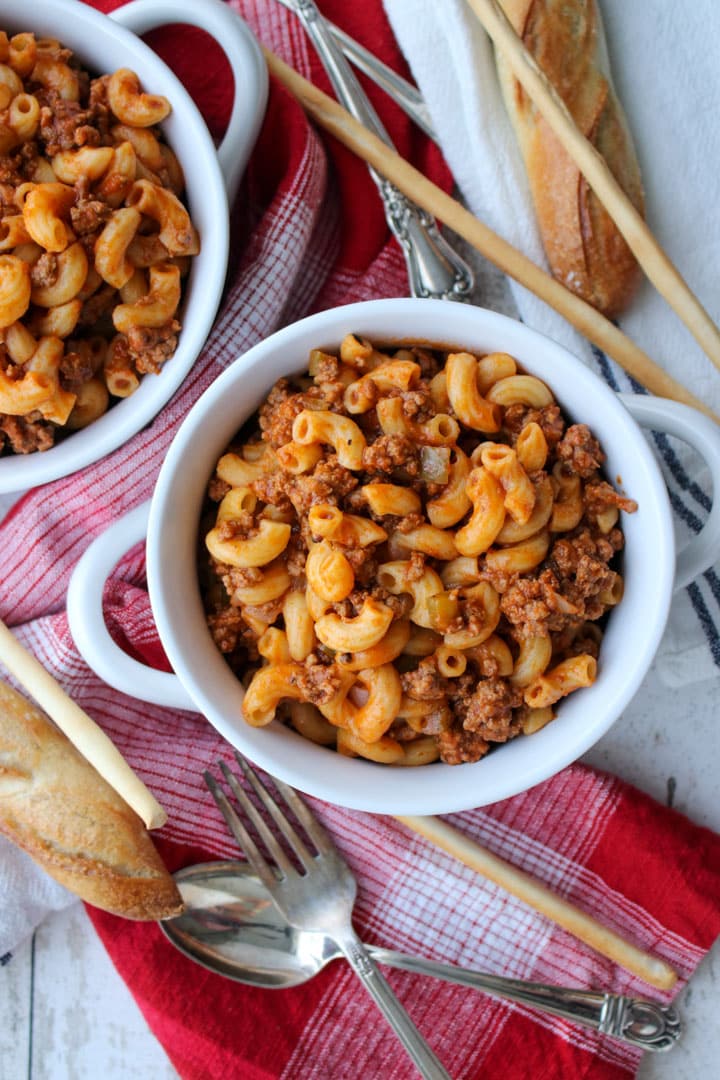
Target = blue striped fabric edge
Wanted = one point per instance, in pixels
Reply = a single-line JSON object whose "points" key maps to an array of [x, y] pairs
{"points": [[681, 487]]}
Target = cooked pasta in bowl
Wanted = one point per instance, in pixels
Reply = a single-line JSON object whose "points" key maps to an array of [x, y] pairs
{"points": [[113, 229], [411, 553], [404, 533]]}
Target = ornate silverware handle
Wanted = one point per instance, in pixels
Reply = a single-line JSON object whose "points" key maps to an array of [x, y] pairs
{"points": [[646, 1024], [434, 268]]}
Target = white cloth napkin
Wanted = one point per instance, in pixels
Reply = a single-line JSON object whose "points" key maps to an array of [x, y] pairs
{"points": [[666, 73], [20, 876]]}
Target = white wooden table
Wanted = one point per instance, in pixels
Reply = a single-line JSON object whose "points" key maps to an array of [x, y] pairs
{"points": [[66, 1015]]}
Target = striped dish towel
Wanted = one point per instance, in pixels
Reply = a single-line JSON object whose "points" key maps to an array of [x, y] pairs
{"points": [[666, 78], [308, 234]]}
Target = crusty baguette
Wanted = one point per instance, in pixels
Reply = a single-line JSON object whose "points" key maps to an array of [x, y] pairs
{"points": [[585, 249], [55, 806]]}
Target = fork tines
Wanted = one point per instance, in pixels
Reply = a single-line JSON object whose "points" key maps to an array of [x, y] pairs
{"points": [[238, 828]]}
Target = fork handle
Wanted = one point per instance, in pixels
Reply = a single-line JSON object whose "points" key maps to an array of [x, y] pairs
{"points": [[434, 268], [369, 974], [407, 96]]}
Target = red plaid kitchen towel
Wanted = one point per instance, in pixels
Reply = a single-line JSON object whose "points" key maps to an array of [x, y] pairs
{"points": [[309, 233]]}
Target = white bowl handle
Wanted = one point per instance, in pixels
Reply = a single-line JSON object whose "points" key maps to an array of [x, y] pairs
{"points": [[87, 622], [241, 49], [703, 435]]}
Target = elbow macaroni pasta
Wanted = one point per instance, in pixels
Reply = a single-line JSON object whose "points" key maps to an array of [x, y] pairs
{"points": [[398, 607], [94, 237]]}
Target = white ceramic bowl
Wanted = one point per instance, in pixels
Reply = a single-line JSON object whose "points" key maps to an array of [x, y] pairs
{"points": [[103, 44], [205, 683]]}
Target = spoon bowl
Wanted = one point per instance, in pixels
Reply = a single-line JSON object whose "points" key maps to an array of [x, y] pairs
{"points": [[231, 926]]}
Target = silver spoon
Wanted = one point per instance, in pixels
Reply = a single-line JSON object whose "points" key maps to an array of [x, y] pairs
{"points": [[232, 927]]}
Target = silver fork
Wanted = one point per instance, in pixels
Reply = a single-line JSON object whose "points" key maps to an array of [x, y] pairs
{"points": [[434, 267], [321, 898]]}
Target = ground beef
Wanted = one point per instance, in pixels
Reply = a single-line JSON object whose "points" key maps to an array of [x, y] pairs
{"points": [[266, 613], [329, 482], [351, 606], [418, 405], [18, 167], [238, 528], [45, 270], [318, 683], [400, 605], [88, 215], [473, 615], [327, 378], [75, 369], [415, 569], [568, 550], [485, 660], [99, 113], [25, 434], [580, 450], [327, 367], [274, 488], [549, 419], [239, 577], [364, 564], [151, 346], [65, 125], [458, 746], [336, 477], [295, 555], [501, 580], [425, 683], [227, 628], [283, 404], [304, 492], [599, 496], [10, 176], [489, 711], [534, 606], [406, 524], [591, 577], [118, 356], [581, 564], [390, 452]]}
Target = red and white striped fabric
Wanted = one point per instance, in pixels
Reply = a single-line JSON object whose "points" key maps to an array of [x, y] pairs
{"points": [[309, 233]]}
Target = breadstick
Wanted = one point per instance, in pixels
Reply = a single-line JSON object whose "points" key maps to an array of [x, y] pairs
{"points": [[540, 898], [82, 732], [594, 326], [652, 258]]}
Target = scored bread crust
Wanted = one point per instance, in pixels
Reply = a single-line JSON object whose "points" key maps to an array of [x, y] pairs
{"points": [[55, 806], [584, 247]]}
